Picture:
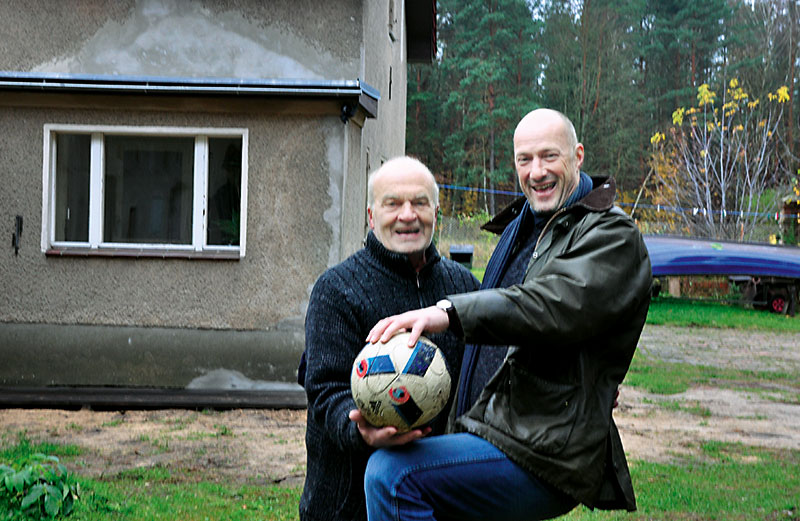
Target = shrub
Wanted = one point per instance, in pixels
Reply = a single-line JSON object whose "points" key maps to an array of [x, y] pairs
{"points": [[42, 489]]}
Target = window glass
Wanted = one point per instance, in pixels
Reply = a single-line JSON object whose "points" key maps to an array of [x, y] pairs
{"points": [[72, 187], [225, 187], [145, 191], [148, 189]]}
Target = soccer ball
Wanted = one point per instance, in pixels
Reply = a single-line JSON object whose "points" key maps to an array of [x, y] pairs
{"points": [[394, 384]]}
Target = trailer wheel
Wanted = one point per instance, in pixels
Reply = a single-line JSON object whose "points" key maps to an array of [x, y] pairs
{"points": [[777, 303]]}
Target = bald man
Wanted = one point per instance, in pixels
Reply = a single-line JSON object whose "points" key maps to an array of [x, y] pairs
{"points": [[554, 329], [397, 270]]}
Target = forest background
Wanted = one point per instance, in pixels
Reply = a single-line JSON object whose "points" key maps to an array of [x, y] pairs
{"points": [[691, 106]]}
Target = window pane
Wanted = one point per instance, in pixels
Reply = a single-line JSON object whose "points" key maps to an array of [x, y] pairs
{"points": [[148, 189], [73, 153], [225, 187]]}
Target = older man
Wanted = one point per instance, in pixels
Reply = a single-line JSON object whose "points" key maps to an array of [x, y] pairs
{"points": [[398, 269], [567, 296]]}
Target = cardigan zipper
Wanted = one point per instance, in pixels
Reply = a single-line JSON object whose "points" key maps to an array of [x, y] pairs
{"points": [[419, 291]]}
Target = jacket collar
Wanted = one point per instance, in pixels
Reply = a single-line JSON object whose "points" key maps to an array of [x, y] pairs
{"points": [[601, 198], [604, 190], [398, 262]]}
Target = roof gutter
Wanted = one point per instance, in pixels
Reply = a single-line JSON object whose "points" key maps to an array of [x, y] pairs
{"points": [[355, 92]]}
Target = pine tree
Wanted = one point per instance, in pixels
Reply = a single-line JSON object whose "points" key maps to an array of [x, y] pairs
{"points": [[490, 66], [683, 46], [591, 75]]}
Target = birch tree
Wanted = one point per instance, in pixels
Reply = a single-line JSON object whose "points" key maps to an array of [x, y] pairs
{"points": [[718, 158]]}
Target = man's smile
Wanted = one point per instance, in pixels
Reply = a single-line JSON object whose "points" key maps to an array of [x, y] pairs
{"points": [[545, 187]]}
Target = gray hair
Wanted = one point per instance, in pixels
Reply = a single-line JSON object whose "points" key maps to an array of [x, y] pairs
{"points": [[408, 163]]}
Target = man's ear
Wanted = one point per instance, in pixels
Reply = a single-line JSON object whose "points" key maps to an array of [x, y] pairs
{"points": [[369, 217], [579, 156]]}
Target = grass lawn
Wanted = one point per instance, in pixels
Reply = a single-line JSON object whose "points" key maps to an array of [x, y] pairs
{"points": [[729, 481], [684, 312], [157, 494]]}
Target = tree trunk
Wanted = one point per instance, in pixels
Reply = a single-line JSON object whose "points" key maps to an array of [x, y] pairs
{"points": [[599, 72], [492, 203], [417, 108], [584, 16], [792, 58]]}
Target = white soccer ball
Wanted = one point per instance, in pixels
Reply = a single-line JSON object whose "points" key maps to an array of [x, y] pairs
{"points": [[394, 384]]}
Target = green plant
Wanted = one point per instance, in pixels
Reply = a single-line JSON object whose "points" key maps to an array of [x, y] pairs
{"points": [[42, 489], [223, 430]]}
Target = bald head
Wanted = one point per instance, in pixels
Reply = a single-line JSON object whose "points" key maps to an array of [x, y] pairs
{"points": [[552, 118]]}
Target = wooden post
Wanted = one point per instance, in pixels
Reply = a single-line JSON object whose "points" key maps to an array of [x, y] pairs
{"points": [[674, 286]]}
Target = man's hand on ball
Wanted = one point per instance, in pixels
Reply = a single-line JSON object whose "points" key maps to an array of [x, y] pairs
{"points": [[384, 436], [430, 319]]}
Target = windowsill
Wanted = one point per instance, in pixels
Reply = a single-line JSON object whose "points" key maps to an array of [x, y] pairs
{"points": [[143, 253]]}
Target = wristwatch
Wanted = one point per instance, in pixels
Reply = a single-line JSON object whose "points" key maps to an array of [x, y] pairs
{"points": [[445, 305], [455, 323]]}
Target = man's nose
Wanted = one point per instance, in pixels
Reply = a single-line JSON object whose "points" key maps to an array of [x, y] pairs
{"points": [[407, 212], [536, 168]]}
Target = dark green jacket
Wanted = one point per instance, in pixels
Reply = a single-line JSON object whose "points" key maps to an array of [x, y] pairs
{"points": [[573, 325]]}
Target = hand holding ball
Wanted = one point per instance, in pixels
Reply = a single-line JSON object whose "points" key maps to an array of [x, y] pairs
{"points": [[394, 384]]}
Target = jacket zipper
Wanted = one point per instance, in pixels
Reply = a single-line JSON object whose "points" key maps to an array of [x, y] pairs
{"points": [[535, 254]]}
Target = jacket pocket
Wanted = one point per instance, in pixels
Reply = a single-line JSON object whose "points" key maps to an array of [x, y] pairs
{"points": [[536, 412]]}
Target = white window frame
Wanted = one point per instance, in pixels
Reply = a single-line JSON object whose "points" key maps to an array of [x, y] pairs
{"points": [[96, 245]]}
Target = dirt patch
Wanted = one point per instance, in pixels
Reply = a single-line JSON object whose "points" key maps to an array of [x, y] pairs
{"points": [[267, 446], [659, 427], [242, 445]]}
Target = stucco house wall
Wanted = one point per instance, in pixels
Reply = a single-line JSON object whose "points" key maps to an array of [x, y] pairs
{"points": [[192, 322]]}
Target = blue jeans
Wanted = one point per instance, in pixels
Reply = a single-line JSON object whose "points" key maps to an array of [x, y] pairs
{"points": [[456, 476]]}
